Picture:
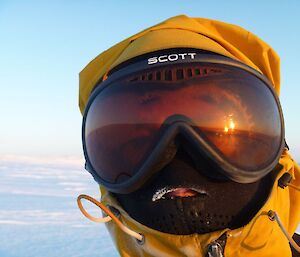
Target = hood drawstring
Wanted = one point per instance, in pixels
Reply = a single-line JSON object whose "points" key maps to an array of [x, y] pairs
{"points": [[294, 187], [110, 217], [274, 216]]}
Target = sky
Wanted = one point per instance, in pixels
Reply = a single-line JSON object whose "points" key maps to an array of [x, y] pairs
{"points": [[45, 44]]}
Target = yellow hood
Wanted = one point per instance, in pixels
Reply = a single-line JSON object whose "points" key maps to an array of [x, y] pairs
{"points": [[183, 31], [260, 238]]}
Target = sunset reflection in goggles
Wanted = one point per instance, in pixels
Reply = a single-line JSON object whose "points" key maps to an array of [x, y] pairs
{"points": [[235, 115]]}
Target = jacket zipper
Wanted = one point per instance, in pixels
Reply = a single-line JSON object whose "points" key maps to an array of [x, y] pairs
{"points": [[216, 248]]}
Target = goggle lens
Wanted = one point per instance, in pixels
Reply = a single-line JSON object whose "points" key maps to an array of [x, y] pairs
{"points": [[234, 111]]}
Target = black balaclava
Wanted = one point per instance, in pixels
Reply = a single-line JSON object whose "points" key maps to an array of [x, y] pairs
{"points": [[212, 203]]}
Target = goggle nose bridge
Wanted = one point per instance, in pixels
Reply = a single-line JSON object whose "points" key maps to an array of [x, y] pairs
{"points": [[184, 135], [182, 125], [179, 129]]}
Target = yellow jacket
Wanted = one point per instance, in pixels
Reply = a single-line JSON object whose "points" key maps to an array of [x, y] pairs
{"points": [[262, 236]]}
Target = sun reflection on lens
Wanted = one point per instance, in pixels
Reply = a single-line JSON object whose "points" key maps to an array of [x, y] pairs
{"points": [[229, 124]]}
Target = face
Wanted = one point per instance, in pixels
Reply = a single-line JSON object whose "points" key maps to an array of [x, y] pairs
{"points": [[187, 193], [183, 198]]}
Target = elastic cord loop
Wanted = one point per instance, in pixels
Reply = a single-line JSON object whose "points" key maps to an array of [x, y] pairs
{"points": [[110, 216], [89, 216], [274, 216]]}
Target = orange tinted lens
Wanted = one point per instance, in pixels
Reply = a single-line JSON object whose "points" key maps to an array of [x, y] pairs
{"points": [[232, 109]]}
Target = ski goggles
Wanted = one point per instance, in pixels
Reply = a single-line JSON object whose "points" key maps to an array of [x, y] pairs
{"points": [[226, 110]]}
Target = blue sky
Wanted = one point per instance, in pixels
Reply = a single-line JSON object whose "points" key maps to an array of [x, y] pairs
{"points": [[45, 44]]}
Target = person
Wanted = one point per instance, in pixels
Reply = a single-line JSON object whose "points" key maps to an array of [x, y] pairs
{"points": [[184, 132]]}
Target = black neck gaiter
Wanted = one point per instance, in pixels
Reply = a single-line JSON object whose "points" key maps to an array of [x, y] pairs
{"points": [[220, 203]]}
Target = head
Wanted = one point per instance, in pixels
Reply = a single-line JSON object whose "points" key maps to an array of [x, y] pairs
{"points": [[183, 125]]}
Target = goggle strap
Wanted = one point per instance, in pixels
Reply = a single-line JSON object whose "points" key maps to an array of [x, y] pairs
{"points": [[286, 145]]}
